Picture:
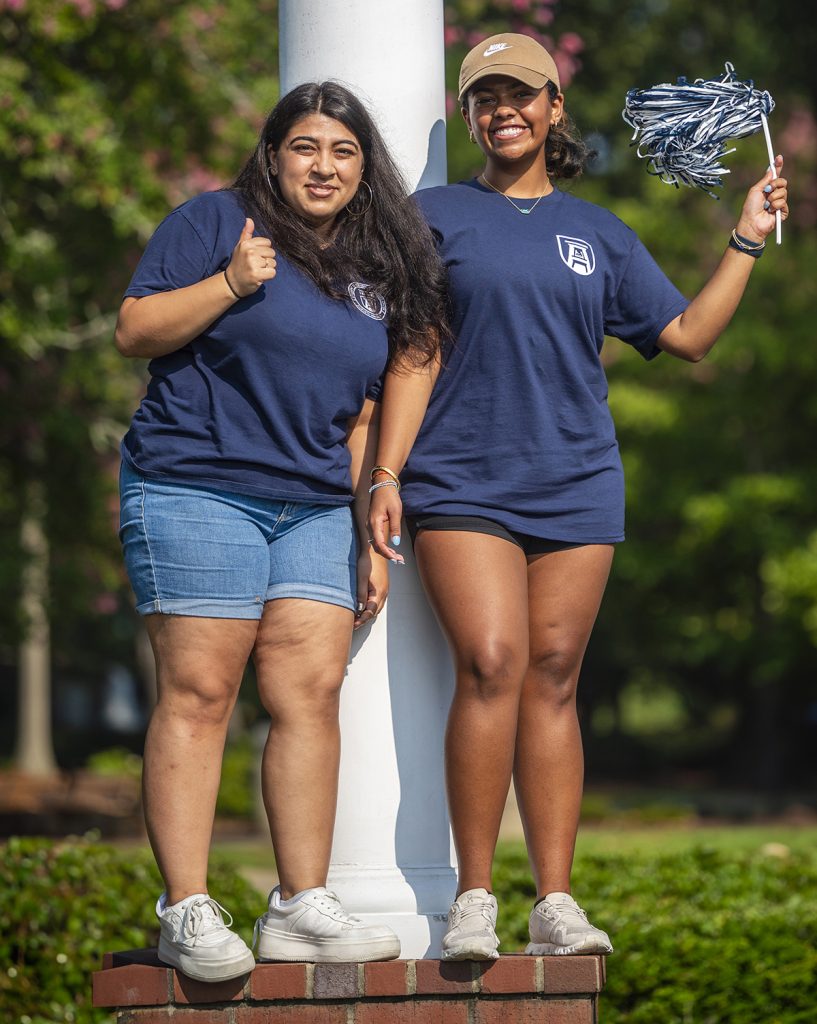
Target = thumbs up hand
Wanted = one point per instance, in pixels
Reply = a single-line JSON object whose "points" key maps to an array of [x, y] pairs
{"points": [[251, 264]]}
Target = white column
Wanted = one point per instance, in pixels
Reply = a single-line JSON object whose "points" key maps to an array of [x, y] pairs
{"points": [[392, 854]]}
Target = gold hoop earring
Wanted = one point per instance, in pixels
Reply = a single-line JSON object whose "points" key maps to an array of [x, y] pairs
{"points": [[471, 138], [359, 213]]}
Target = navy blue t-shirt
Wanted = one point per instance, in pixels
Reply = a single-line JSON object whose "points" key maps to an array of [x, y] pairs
{"points": [[260, 402], [518, 429]]}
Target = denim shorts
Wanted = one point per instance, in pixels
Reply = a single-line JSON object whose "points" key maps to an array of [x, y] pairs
{"points": [[196, 550]]}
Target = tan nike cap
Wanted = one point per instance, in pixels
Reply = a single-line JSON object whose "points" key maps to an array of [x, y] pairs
{"points": [[509, 54]]}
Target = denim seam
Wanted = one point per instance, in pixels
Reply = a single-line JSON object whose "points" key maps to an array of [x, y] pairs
{"points": [[311, 592], [157, 602]]}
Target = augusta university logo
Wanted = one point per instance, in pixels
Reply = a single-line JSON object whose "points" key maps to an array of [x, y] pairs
{"points": [[577, 254], [367, 300]]}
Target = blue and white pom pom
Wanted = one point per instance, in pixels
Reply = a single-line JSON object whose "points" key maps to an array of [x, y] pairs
{"points": [[682, 129]]}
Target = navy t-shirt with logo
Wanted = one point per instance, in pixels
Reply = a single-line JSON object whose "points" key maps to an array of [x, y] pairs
{"points": [[260, 402], [518, 429]]}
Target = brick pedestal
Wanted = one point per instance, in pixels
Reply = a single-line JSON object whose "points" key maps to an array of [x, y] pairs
{"points": [[515, 989]]}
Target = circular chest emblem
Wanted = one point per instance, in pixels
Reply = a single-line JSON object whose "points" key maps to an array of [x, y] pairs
{"points": [[367, 300]]}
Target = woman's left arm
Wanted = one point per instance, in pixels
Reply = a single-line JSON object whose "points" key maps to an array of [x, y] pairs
{"points": [[692, 334], [372, 569]]}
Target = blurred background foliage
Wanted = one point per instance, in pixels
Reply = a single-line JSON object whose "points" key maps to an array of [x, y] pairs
{"points": [[704, 660]]}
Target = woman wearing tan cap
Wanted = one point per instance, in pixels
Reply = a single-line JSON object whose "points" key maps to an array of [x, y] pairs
{"points": [[514, 490]]}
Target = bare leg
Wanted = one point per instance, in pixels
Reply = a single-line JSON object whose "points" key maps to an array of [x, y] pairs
{"points": [[565, 591], [300, 658], [478, 587], [199, 664]]}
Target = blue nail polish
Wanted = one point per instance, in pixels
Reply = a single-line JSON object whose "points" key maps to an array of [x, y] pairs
{"points": [[396, 540], [767, 205], [768, 188]]}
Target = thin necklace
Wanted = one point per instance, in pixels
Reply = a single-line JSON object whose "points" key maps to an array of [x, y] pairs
{"points": [[519, 209]]}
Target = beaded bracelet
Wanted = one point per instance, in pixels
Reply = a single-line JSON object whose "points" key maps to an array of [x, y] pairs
{"points": [[741, 244], [384, 483], [388, 472]]}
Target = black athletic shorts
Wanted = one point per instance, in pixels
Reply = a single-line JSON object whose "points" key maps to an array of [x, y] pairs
{"points": [[477, 524]]}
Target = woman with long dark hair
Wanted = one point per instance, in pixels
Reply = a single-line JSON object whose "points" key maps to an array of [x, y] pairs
{"points": [[270, 311], [514, 489]]}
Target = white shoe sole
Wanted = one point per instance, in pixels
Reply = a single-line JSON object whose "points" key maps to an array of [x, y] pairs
{"points": [[297, 949], [470, 952], [589, 945], [206, 970]]}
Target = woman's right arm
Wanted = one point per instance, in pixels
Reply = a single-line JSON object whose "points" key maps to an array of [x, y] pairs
{"points": [[406, 392], [163, 322]]}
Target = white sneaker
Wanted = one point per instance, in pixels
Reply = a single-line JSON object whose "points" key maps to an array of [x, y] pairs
{"points": [[313, 926], [194, 938], [471, 931], [559, 927]]}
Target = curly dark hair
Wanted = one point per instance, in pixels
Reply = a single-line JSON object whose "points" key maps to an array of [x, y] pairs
{"points": [[388, 245], [566, 154]]}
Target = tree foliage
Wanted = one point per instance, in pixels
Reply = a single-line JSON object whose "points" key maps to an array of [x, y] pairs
{"points": [[712, 606], [112, 112]]}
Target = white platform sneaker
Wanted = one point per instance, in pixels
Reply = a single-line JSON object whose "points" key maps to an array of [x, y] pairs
{"points": [[313, 926], [559, 927], [471, 933], [194, 938]]}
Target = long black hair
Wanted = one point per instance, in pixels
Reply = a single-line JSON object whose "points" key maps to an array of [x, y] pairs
{"points": [[385, 243]]}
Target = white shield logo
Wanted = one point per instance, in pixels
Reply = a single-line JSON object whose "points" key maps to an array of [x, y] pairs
{"points": [[577, 254], [367, 300]]}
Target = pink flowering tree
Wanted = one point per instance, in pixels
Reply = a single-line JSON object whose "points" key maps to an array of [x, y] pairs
{"points": [[111, 113]]}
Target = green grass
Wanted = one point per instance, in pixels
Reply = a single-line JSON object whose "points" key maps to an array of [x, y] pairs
{"points": [[597, 841], [680, 838]]}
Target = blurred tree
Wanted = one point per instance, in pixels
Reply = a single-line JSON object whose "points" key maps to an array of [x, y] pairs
{"points": [[714, 596], [111, 113]]}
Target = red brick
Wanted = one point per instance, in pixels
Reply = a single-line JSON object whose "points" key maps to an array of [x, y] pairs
{"points": [[278, 981], [569, 974], [169, 1016], [385, 978], [144, 1016], [508, 974], [435, 977], [287, 1013], [414, 1011], [149, 957], [188, 990], [335, 981], [534, 1010], [134, 985]]}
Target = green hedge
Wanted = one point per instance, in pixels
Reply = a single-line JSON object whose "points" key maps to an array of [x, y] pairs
{"points": [[63, 904], [701, 937]]}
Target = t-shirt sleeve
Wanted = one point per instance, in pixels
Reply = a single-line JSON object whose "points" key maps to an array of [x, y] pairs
{"points": [[175, 257], [375, 391], [643, 304]]}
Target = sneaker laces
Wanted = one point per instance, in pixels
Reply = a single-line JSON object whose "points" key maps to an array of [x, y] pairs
{"points": [[201, 915], [476, 908], [329, 902], [559, 909]]}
